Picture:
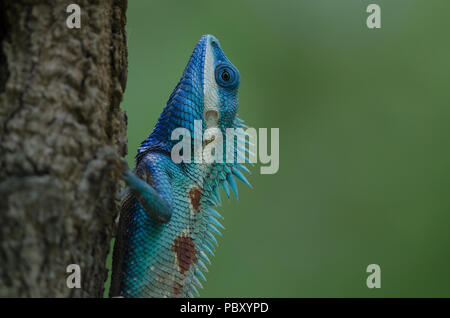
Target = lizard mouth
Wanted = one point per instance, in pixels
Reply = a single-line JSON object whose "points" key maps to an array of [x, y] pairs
{"points": [[211, 118]]}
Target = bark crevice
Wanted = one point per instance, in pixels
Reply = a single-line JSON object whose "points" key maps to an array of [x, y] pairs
{"points": [[4, 30]]}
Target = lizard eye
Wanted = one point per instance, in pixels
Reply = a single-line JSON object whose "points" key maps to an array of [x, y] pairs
{"points": [[227, 75]]}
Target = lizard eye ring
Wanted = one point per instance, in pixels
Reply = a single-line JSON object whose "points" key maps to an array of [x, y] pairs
{"points": [[227, 75]]}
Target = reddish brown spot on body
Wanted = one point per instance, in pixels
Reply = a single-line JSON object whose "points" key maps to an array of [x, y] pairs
{"points": [[195, 194], [185, 251], [177, 288]]}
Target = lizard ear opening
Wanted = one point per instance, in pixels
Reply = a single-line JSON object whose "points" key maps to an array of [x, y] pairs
{"points": [[211, 118]]}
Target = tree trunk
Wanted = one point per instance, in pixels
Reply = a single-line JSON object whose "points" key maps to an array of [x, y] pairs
{"points": [[62, 134]]}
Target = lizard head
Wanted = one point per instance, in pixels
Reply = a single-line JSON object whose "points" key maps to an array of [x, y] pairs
{"points": [[207, 91]]}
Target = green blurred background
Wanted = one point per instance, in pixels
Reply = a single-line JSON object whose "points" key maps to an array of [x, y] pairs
{"points": [[364, 139]]}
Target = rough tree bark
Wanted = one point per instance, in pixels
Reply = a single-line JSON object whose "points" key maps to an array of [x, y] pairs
{"points": [[61, 135]]}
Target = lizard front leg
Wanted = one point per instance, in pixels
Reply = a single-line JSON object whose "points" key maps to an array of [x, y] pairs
{"points": [[153, 203]]}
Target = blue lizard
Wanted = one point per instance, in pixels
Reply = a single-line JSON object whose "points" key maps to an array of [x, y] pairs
{"points": [[167, 221]]}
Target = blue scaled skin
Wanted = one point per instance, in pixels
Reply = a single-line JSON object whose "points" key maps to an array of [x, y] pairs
{"points": [[168, 223]]}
